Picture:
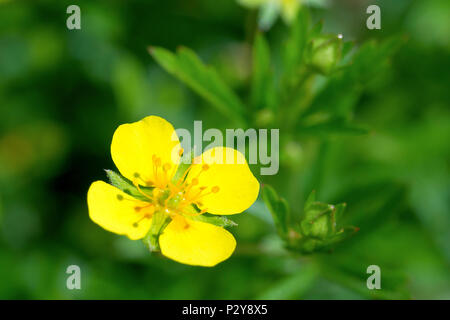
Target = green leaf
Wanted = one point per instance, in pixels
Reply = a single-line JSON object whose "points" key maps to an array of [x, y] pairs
{"points": [[187, 67], [296, 44], [127, 186], [262, 91], [278, 207], [160, 220]]}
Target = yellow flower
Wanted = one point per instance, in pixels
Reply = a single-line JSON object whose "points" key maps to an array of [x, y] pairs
{"points": [[148, 153], [288, 9]]}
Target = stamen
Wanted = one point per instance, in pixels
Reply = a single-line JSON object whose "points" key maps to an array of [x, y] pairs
{"points": [[142, 192], [136, 224], [122, 198], [181, 182], [138, 208], [156, 163]]}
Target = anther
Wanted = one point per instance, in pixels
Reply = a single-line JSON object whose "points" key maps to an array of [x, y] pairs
{"points": [[166, 167], [215, 189], [194, 181], [181, 152], [205, 167], [156, 160]]}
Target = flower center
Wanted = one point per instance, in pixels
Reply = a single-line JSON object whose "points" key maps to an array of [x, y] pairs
{"points": [[174, 198]]}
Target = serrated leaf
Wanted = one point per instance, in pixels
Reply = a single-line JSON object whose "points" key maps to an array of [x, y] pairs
{"points": [[122, 183], [204, 80], [279, 209]]}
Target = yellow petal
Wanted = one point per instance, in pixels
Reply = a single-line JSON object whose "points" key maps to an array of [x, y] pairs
{"points": [[227, 172], [116, 211], [134, 146], [196, 243]]}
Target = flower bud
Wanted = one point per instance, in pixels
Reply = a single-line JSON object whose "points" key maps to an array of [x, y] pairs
{"points": [[324, 53]]}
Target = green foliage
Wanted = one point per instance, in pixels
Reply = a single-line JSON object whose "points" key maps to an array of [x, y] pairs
{"points": [[187, 67], [319, 227], [262, 87], [62, 94]]}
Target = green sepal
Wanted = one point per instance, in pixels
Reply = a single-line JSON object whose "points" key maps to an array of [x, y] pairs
{"points": [[160, 220], [310, 245], [185, 162], [318, 221], [279, 208], [324, 52], [122, 183], [220, 221]]}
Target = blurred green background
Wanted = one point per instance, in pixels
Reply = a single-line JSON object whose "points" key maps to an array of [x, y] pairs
{"points": [[63, 93]]}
